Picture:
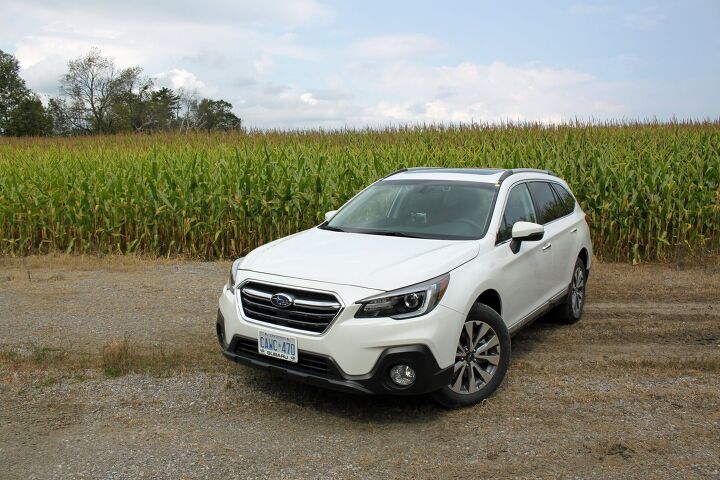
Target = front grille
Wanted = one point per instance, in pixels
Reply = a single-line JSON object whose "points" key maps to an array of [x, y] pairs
{"points": [[310, 311], [307, 362]]}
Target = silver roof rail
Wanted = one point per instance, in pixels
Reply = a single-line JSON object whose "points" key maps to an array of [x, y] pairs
{"points": [[513, 171]]}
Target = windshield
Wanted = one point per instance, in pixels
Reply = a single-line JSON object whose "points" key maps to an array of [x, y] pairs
{"points": [[437, 209]]}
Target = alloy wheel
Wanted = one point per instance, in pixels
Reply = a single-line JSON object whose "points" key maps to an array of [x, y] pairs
{"points": [[477, 357], [577, 291]]}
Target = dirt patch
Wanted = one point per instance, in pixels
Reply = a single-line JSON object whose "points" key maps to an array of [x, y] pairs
{"points": [[109, 369]]}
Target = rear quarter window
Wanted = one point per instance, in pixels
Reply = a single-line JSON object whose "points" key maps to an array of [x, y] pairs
{"points": [[567, 200]]}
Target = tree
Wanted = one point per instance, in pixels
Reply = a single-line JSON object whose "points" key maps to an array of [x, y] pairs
{"points": [[93, 87], [164, 105], [215, 115], [29, 119], [96, 97], [187, 104], [132, 108], [12, 88], [57, 110]]}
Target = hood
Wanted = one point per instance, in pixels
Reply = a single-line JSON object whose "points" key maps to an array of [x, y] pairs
{"points": [[370, 261]]}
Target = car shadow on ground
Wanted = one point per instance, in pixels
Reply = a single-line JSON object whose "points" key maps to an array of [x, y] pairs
{"points": [[382, 409], [533, 335], [374, 409]]}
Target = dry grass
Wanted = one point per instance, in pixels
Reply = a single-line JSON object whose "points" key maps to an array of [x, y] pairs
{"points": [[708, 363], [631, 391], [114, 359], [121, 357], [81, 262]]}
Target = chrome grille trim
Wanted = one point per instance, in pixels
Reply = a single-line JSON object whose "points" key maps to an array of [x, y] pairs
{"points": [[312, 311], [250, 292], [256, 293], [318, 305]]}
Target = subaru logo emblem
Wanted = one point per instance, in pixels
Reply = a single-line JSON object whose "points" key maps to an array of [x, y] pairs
{"points": [[282, 300]]}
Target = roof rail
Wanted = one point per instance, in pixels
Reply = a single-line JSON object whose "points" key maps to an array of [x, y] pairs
{"points": [[394, 173], [409, 169], [504, 175], [507, 173]]}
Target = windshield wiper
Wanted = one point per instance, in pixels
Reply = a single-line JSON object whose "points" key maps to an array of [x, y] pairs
{"points": [[332, 229], [390, 233]]}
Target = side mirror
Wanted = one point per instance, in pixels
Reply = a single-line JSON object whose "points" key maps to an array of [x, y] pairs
{"points": [[525, 232], [329, 215]]}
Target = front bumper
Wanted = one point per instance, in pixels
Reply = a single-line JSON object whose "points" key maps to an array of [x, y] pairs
{"points": [[323, 371], [355, 345]]}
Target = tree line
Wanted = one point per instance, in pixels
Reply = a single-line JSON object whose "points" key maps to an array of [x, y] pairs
{"points": [[97, 97]]}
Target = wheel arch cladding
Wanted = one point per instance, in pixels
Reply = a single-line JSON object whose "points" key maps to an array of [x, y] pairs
{"points": [[491, 298], [583, 255]]}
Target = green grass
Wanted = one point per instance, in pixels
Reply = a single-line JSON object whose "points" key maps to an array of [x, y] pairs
{"points": [[651, 191]]}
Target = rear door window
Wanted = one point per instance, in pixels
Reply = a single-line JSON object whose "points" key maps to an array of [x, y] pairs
{"points": [[547, 206]]}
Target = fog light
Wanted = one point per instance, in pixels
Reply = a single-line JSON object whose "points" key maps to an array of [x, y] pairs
{"points": [[402, 375]]}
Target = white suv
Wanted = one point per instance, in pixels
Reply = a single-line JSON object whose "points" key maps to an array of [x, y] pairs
{"points": [[413, 286]]}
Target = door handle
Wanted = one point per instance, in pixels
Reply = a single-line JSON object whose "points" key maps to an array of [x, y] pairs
{"points": [[574, 230], [547, 247]]}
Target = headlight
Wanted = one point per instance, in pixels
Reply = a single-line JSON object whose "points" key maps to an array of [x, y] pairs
{"points": [[407, 302], [233, 274]]}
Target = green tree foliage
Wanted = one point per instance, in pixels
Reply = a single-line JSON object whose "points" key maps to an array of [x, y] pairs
{"points": [[132, 109], [99, 95], [29, 119], [99, 98], [215, 115], [12, 87], [21, 111], [165, 107], [57, 110]]}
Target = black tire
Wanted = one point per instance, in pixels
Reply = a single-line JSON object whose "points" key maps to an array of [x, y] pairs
{"points": [[568, 311], [457, 395]]}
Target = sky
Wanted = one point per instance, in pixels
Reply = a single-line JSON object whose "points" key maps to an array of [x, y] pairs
{"points": [[320, 64]]}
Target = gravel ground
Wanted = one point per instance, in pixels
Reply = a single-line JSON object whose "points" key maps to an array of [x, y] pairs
{"points": [[631, 391]]}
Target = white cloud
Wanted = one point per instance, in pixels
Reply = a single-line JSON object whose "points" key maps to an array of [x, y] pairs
{"points": [[34, 49], [64, 28], [283, 12], [589, 9], [263, 64], [286, 46], [646, 19], [278, 65], [494, 92], [627, 60], [180, 78], [331, 94], [395, 46], [220, 53], [309, 99], [43, 58], [278, 13]]}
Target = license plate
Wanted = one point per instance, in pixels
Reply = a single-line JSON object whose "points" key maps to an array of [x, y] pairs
{"points": [[278, 346]]}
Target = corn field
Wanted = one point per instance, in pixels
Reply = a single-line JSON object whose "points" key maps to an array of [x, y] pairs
{"points": [[650, 191]]}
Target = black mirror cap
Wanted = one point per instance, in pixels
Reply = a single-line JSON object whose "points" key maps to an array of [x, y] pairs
{"points": [[533, 237], [517, 241]]}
